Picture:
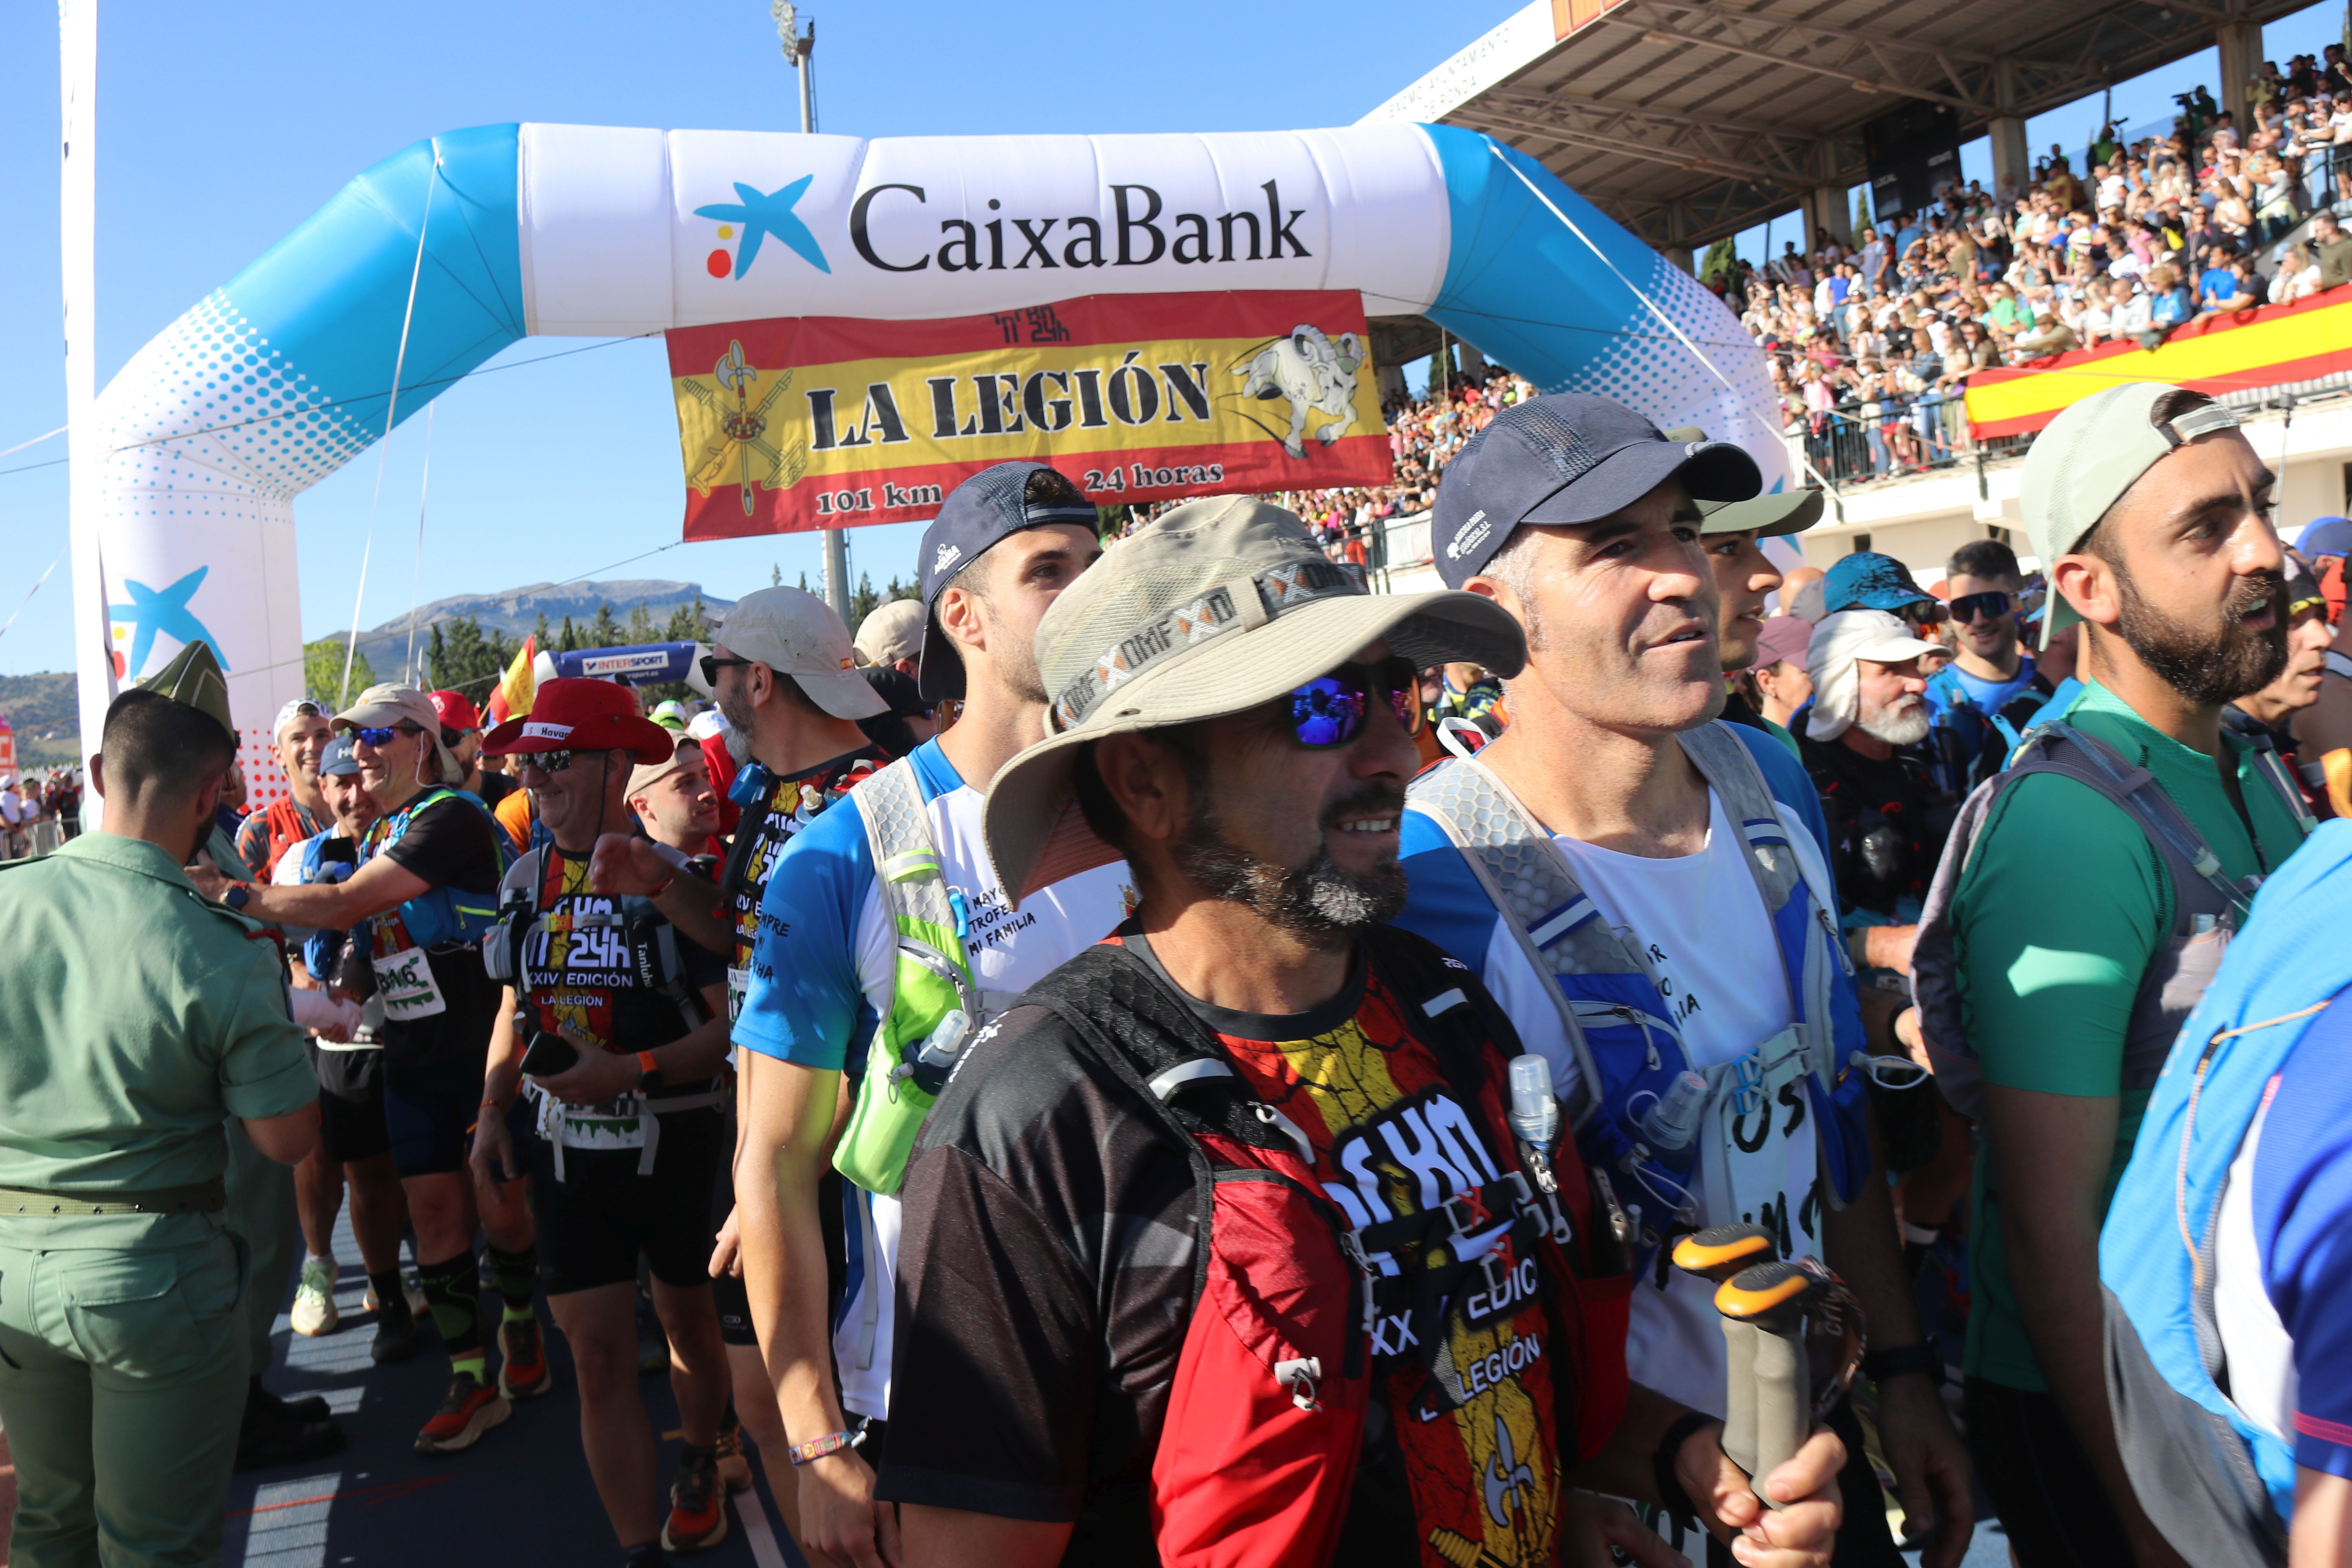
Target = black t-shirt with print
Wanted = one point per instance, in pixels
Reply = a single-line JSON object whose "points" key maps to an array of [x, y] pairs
{"points": [[450, 843], [1049, 1230], [784, 808]]}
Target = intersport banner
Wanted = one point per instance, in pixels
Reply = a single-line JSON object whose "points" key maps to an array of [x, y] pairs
{"points": [[833, 422]]}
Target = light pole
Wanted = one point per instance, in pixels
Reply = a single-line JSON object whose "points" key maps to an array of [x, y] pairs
{"points": [[799, 47]]}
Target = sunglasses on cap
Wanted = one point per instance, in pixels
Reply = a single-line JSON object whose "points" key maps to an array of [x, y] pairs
{"points": [[1330, 710], [1968, 606], [381, 736]]}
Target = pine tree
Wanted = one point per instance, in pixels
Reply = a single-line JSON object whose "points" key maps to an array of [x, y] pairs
{"points": [[567, 640]]}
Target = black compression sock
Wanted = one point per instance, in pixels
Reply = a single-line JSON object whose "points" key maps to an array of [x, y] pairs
{"points": [[451, 1294], [518, 1276], [391, 1298]]}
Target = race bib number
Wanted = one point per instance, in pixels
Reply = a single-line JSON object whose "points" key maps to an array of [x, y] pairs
{"points": [[404, 983], [1757, 1159], [739, 982]]}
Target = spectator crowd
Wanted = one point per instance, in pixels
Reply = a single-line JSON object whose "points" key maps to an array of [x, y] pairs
{"points": [[1873, 344]]}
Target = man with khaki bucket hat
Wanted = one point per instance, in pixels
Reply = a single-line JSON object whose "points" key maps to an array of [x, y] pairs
{"points": [[1130, 1221]]}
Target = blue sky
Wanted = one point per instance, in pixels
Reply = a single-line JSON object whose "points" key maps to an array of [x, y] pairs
{"points": [[223, 126]]}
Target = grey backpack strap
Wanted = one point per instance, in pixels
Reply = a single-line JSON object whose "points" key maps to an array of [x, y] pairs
{"points": [[1556, 924], [2136, 790], [1748, 801]]}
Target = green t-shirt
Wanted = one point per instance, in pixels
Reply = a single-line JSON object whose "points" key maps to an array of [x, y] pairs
{"points": [[136, 1019], [2062, 906]]}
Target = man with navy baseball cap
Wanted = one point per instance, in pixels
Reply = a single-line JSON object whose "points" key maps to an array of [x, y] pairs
{"points": [[1621, 869], [985, 510]]}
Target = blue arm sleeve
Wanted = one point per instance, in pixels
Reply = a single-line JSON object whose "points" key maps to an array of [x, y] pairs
{"points": [[2302, 1228], [803, 997]]}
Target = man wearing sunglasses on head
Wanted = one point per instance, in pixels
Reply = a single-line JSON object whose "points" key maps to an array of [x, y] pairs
{"points": [[1979, 705], [1643, 889], [864, 962], [1141, 1220], [426, 893]]}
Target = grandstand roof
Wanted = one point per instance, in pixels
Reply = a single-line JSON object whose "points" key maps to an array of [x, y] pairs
{"points": [[1690, 120]]}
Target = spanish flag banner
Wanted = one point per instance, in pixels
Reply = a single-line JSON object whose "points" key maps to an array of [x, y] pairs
{"points": [[511, 698], [833, 422], [2273, 345]]}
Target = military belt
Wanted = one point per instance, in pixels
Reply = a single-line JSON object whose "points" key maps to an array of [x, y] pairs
{"points": [[200, 1197]]}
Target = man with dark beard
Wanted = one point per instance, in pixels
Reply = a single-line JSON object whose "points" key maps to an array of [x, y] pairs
{"points": [[2089, 911], [1129, 1328]]}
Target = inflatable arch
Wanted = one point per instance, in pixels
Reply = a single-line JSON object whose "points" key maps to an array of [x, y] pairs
{"points": [[442, 255]]}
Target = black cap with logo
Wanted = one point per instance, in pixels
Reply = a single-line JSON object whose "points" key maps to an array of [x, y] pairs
{"points": [[976, 514]]}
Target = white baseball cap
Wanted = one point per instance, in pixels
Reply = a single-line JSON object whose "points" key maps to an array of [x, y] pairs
{"points": [[795, 632]]}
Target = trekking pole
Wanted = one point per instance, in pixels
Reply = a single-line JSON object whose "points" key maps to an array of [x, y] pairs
{"points": [[1716, 1254], [1782, 1300]]}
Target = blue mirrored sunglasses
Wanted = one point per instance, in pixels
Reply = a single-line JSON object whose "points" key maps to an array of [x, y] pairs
{"points": [[381, 736], [1330, 710]]}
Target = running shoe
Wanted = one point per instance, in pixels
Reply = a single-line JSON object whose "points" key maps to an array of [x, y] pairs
{"points": [[734, 1470], [314, 1299], [523, 1372], [697, 1504], [411, 1287], [395, 1336], [469, 1411]]}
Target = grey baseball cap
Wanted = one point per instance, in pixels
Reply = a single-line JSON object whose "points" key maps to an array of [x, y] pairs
{"points": [[796, 633], [2086, 460], [1223, 603]]}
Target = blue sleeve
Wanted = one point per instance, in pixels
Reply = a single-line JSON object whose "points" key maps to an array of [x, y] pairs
{"points": [[1444, 901], [804, 998], [2302, 1230], [1785, 777]]}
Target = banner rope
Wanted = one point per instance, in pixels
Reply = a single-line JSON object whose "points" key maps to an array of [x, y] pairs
{"points": [[390, 411], [416, 574]]}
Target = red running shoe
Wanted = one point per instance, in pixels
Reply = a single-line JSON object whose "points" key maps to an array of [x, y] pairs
{"points": [[698, 1505], [469, 1411], [523, 1371]]}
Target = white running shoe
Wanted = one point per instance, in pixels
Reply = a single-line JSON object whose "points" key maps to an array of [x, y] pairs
{"points": [[314, 1299]]}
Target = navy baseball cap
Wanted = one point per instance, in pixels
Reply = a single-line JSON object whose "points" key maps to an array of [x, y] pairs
{"points": [[978, 513], [340, 758], [1567, 458], [1866, 580]]}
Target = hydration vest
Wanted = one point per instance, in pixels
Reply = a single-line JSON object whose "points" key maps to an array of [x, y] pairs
{"points": [[1629, 1056], [438, 917], [905, 1067], [1265, 1417], [1965, 737], [2207, 907], [2219, 1485]]}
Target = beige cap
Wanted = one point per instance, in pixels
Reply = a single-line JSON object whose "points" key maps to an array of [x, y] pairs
{"points": [[2086, 460], [889, 633], [388, 704], [644, 775], [796, 633], [1221, 604]]}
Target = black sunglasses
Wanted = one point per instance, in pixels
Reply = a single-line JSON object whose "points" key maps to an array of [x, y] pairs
{"points": [[553, 761], [1968, 606], [1330, 710], [450, 738], [1923, 613], [712, 664]]}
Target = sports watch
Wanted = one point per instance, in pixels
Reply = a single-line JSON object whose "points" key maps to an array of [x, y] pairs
{"points": [[237, 895]]}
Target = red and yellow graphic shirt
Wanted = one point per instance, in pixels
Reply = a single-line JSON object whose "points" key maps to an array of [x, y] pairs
{"points": [[1391, 1139]]}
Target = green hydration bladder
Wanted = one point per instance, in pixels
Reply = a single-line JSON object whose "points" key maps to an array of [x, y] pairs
{"points": [[935, 1004]]}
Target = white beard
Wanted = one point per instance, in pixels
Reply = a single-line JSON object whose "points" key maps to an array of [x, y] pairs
{"points": [[1907, 726]]}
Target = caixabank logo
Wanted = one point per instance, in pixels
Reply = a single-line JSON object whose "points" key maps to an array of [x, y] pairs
{"points": [[1140, 231]]}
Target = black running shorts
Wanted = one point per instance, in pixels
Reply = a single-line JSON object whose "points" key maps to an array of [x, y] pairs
{"points": [[350, 1102], [428, 1108], [594, 1222]]}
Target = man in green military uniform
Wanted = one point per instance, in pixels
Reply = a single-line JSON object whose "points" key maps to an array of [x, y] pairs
{"points": [[136, 1019]]}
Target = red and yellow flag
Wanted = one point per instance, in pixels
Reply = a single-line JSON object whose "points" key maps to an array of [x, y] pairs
{"points": [[2270, 346], [825, 422], [511, 698]]}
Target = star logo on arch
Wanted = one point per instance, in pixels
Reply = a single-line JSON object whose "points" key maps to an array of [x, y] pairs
{"points": [[763, 215], [154, 610]]}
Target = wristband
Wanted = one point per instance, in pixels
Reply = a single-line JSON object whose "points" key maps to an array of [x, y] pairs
{"points": [[1905, 1361], [1671, 1495], [816, 1448], [649, 1072]]}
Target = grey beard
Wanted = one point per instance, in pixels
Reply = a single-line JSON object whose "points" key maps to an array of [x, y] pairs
{"points": [[1908, 730], [1316, 902]]}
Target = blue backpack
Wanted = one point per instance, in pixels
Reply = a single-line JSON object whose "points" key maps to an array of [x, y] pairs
{"points": [[2221, 1488]]}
